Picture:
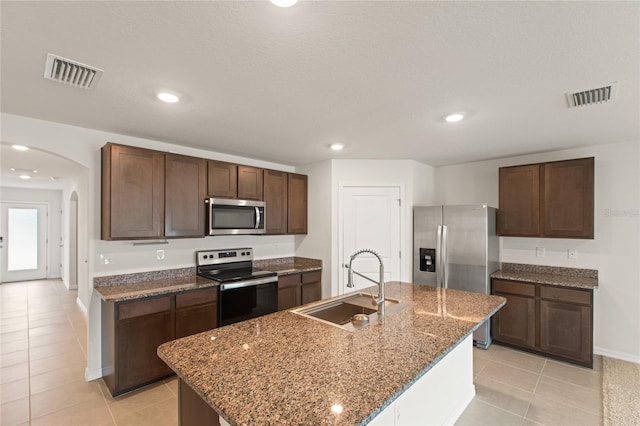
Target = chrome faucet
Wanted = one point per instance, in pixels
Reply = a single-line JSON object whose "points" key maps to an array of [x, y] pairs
{"points": [[379, 300]]}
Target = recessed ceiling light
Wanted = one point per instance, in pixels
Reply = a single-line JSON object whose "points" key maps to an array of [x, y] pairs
{"points": [[284, 3], [452, 118], [34, 171], [25, 177], [336, 146], [20, 147], [167, 97], [13, 169]]}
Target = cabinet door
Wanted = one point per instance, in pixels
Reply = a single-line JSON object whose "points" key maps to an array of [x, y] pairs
{"points": [[249, 183], [519, 201], [222, 179], [289, 291], [275, 198], [138, 336], [565, 330], [185, 191], [288, 298], [196, 319], [311, 289], [568, 198], [297, 204], [132, 193], [515, 322]]}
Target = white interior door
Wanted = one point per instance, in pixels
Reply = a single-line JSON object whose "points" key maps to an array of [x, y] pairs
{"points": [[23, 241], [370, 219]]}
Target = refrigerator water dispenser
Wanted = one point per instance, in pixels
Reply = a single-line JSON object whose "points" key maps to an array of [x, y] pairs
{"points": [[428, 259]]}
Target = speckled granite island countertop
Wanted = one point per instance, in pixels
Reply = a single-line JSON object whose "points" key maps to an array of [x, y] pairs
{"points": [[284, 368], [550, 275]]}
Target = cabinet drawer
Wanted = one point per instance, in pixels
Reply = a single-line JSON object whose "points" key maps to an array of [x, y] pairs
{"points": [[311, 277], [514, 287], [582, 297], [144, 307], [289, 280], [198, 297]]}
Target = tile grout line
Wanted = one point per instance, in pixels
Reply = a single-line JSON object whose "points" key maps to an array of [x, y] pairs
{"points": [[535, 388]]}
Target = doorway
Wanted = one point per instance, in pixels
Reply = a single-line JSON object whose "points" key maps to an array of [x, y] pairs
{"points": [[23, 241], [73, 241], [370, 217]]}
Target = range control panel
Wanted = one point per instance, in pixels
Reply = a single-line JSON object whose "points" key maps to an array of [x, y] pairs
{"points": [[215, 257]]}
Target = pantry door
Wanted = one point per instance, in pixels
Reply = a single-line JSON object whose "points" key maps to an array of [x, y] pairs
{"points": [[23, 241], [370, 218]]}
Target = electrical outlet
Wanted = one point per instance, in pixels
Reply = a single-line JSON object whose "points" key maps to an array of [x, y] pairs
{"points": [[160, 254], [540, 251], [572, 253]]}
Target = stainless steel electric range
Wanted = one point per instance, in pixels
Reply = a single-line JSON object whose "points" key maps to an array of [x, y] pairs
{"points": [[244, 292]]}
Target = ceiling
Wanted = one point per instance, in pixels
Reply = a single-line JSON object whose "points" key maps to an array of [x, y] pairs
{"points": [[281, 84], [53, 172]]}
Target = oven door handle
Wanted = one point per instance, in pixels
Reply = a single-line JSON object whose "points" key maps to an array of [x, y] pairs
{"points": [[248, 283]]}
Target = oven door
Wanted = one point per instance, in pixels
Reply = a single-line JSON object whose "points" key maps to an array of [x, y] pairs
{"points": [[244, 300]]}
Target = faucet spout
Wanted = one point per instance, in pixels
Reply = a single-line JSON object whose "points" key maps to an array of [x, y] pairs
{"points": [[379, 300]]}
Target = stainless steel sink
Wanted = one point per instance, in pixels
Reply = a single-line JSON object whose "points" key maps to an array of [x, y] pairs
{"points": [[340, 312]]}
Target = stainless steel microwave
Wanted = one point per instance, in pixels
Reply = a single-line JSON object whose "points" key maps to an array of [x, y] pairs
{"points": [[231, 217]]}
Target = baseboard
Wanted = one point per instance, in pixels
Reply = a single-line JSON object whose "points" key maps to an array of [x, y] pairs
{"points": [[83, 308], [459, 409], [614, 354], [94, 374]]}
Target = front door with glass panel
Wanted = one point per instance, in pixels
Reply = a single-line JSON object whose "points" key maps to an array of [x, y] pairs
{"points": [[23, 242]]}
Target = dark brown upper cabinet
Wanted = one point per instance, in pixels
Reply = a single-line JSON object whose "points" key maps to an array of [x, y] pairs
{"points": [[296, 204], [249, 183], [553, 200], [132, 193], [185, 191], [275, 198], [228, 180], [285, 195], [222, 179]]}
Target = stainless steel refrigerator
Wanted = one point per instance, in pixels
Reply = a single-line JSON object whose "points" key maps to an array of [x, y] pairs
{"points": [[456, 247]]}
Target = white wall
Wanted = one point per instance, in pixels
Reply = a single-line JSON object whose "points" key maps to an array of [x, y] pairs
{"points": [[83, 146], [416, 181], [615, 251], [53, 198], [317, 243]]}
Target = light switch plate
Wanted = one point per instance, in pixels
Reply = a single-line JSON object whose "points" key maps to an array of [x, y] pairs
{"points": [[572, 253], [160, 254]]}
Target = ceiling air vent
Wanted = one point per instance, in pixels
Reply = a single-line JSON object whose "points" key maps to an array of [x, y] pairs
{"points": [[593, 96], [71, 72]]}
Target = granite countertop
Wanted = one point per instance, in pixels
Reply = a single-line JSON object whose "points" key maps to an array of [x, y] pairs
{"points": [[549, 275], [289, 265], [284, 368], [118, 288], [119, 293]]}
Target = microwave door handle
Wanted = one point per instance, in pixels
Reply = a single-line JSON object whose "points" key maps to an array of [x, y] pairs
{"points": [[258, 218]]}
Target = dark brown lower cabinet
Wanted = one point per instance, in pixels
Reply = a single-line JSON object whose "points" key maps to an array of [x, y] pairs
{"points": [[548, 320], [299, 289], [133, 330], [196, 311], [192, 410]]}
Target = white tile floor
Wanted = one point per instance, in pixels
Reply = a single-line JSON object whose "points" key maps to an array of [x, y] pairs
{"points": [[43, 357]]}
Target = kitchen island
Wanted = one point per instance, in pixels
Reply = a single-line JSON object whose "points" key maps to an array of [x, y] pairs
{"points": [[284, 368]]}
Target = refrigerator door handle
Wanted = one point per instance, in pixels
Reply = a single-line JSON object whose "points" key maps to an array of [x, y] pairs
{"points": [[445, 260], [438, 258]]}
